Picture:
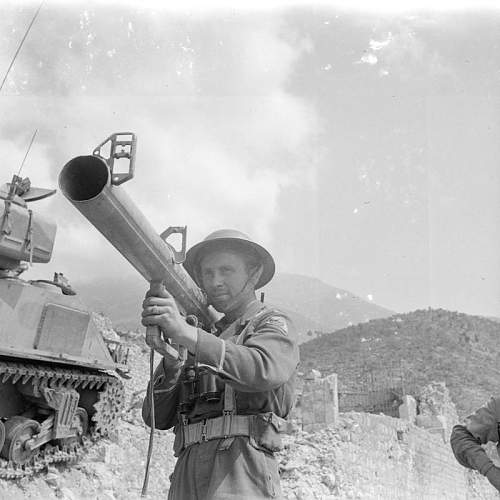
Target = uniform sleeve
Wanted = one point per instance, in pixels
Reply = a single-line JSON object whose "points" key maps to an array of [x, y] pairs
{"points": [[266, 359], [468, 450], [480, 428], [166, 395]]}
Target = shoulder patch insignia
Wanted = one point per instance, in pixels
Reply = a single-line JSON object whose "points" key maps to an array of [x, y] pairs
{"points": [[279, 322]]}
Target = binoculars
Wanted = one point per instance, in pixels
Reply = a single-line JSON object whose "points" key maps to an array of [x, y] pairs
{"points": [[198, 383]]}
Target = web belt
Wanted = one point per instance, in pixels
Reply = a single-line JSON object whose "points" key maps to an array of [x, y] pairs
{"points": [[216, 428]]}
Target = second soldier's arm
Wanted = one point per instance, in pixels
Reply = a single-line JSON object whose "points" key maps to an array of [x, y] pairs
{"points": [[466, 440]]}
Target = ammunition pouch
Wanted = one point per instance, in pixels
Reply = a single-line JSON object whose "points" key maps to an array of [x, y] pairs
{"points": [[263, 431]]}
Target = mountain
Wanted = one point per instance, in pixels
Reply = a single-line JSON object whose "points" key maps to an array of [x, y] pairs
{"points": [[425, 345], [313, 305], [329, 307]]}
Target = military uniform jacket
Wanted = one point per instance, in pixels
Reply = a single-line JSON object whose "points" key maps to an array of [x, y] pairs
{"points": [[480, 428], [260, 367]]}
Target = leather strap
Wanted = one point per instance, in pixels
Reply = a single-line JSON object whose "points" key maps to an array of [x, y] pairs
{"points": [[228, 413]]}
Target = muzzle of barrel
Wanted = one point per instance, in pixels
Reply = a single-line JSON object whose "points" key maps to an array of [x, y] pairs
{"points": [[84, 177]]}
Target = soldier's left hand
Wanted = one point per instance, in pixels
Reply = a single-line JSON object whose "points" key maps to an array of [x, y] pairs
{"points": [[161, 310]]}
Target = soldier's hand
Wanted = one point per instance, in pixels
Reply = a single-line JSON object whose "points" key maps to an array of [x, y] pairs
{"points": [[493, 476], [160, 309]]}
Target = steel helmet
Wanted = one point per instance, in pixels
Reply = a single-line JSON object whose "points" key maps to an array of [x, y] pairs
{"points": [[232, 238]]}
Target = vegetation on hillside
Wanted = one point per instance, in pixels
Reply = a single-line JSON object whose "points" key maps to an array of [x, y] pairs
{"points": [[429, 345]]}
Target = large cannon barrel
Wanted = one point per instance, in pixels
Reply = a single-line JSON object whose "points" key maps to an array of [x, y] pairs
{"points": [[86, 182]]}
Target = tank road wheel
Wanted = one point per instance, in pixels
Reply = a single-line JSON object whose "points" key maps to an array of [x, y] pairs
{"points": [[109, 408], [80, 423], [18, 430], [79, 426], [2, 434]]}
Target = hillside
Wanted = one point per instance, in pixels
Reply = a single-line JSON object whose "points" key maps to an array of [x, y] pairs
{"points": [[462, 350], [332, 308], [312, 304]]}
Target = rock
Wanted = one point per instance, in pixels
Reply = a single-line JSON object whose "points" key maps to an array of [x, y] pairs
{"points": [[136, 399], [288, 468], [114, 436], [106, 495], [52, 479], [408, 410], [304, 493], [103, 454], [67, 494], [313, 374], [329, 480]]}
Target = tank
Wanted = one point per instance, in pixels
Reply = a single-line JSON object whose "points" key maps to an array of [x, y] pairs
{"points": [[60, 379]]}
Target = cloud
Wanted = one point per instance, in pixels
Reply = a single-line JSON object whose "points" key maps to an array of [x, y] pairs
{"points": [[219, 133]]}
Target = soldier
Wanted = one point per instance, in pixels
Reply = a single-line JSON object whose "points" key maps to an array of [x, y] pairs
{"points": [[228, 402], [480, 428]]}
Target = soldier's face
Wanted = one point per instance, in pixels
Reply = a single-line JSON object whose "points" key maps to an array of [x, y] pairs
{"points": [[223, 275]]}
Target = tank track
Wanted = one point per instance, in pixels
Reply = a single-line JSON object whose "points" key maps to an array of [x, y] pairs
{"points": [[43, 374], [49, 454], [108, 409]]}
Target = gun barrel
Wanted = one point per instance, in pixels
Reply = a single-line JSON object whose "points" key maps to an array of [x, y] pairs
{"points": [[86, 182]]}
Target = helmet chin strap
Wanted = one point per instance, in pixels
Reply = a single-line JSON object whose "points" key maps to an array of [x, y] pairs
{"points": [[252, 280]]}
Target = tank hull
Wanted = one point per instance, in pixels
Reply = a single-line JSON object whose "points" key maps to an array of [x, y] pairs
{"points": [[39, 323], [57, 385]]}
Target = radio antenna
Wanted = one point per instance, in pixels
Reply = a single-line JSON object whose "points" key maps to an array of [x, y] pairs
{"points": [[27, 152], [20, 46]]}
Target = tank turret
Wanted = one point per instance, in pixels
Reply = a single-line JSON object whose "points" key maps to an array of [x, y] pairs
{"points": [[58, 375], [24, 235]]}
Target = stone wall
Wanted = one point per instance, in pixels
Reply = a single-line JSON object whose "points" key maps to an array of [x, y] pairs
{"points": [[319, 401], [367, 456]]}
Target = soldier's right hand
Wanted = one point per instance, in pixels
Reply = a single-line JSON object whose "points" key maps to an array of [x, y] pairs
{"points": [[159, 309], [493, 476]]}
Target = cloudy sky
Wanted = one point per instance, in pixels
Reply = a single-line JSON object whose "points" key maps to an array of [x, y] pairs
{"points": [[361, 146]]}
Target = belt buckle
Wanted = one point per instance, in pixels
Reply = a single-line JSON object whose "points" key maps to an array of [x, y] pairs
{"points": [[203, 436]]}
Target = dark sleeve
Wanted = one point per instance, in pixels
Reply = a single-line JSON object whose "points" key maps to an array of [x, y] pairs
{"points": [[468, 450], [480, 428], [166, 395], [266, 359]]}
